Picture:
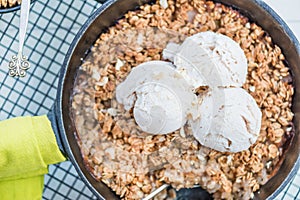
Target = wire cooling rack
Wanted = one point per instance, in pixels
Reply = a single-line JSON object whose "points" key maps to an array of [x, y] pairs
{"points": [[52, 27]]}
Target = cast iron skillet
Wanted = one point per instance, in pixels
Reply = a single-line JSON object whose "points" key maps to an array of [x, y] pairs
{"points": [[106, 16]]}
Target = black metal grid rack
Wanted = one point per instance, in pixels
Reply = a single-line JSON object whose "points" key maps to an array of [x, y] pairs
{"points": [[52, 27]]}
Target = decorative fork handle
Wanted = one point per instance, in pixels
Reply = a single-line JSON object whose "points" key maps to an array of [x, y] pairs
{"points": [[19, 63]]}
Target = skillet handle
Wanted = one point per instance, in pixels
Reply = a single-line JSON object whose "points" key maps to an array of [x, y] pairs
{"points": [[52, 119]]}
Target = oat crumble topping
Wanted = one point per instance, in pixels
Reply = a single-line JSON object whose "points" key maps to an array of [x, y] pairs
{"points": [[133, 163], [9, 3]]}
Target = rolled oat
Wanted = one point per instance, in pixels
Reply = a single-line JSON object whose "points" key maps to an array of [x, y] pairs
{"points": [[133, 163]]}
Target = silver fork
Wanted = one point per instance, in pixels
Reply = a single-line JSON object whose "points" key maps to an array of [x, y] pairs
{"points": [[19, 63]]}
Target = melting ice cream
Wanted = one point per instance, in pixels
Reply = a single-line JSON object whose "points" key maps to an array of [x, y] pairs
{"points": [[161, 93], [230, 120], [161, 98], [209, 59]]}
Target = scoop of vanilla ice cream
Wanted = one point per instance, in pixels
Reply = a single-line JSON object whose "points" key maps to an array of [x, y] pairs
{"points": [[161, 97], [230, 120], [157, 109], [212, 59]]}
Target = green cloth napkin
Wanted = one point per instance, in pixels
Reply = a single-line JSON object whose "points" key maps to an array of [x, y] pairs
{"points": [[30, 188], [27, 147]]}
